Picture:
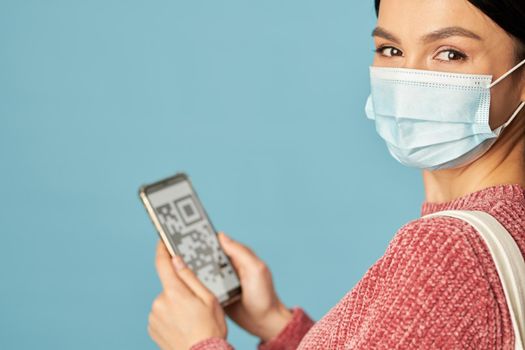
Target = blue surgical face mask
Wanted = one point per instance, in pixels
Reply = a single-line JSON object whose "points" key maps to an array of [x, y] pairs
{"points": [[433, 120]]}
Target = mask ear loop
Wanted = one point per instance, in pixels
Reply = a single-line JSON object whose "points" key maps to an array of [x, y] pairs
{"points": [[522, 104], [518, 110], [507, 74]]}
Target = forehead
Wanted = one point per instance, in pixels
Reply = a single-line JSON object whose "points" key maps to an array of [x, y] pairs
{"points": [[414, 18]]}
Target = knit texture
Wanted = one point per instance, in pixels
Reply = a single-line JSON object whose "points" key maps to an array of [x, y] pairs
{"points": [[435, 287]]}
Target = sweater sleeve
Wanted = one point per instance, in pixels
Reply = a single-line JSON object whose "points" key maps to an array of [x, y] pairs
{"points": [[213, 343], [290, 336], [287, 339], [429, 291]]}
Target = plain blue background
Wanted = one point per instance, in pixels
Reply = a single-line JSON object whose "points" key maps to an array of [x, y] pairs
{"points": [[261, 103]]}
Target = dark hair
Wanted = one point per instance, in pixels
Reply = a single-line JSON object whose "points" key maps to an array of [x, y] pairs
{"points": [[508, 14]]}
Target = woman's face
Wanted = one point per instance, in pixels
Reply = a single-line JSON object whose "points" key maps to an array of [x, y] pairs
{"points": [[450, 36]]}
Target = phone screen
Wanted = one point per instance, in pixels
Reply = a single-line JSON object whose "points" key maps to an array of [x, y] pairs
{"points": [[192, 236]]}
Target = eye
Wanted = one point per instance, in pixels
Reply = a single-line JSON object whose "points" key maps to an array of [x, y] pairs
{"points": [[389, 51], [451, 55]]}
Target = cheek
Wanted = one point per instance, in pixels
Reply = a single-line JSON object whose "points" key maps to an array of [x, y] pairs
{"points": [[393, 62], [377, 60], [504, 100]]}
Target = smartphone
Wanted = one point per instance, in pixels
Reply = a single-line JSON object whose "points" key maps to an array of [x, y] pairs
{"points": [[186, 230]]}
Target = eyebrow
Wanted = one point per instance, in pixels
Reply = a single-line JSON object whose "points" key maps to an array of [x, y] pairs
{"points": [[442, 33], [448, 32], [385, 34]]}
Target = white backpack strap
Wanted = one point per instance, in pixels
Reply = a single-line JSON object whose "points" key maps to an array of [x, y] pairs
{"points": [[508, 260]]}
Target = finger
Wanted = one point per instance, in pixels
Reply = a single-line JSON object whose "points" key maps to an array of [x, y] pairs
{"points": [[241, 256], [157, 337], [161, 312], [167, 275], [154, 331], [191, 280]]}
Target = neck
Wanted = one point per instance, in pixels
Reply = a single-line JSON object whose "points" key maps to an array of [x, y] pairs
{"points": [[504, 163]]}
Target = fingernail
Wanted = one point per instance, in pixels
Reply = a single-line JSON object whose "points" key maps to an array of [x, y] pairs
{"points": [[226, 237], [178, 262]]}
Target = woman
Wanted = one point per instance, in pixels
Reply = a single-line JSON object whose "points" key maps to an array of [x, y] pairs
{"points": [[436, 286]]}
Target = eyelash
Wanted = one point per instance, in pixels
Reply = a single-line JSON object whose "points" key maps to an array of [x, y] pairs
{"points": [[380, 49], [460, 54]]}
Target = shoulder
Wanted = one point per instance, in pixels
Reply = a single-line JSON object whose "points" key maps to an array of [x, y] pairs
{"points": [[433, 228], [431, 275], [441, 260], [461, 260], [445, 259], [428, 289], [435, 241]]}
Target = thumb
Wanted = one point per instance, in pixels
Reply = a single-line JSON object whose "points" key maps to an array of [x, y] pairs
{"points": [[241, 256]]}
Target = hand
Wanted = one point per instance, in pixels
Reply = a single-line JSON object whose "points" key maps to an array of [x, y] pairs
{"points": [[259, 312], [186, 311]]}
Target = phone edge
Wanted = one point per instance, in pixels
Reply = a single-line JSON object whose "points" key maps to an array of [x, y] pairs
{"points": [[153, 218]]}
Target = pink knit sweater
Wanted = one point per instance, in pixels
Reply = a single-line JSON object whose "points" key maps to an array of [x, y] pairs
{"points": [[435, 287]]}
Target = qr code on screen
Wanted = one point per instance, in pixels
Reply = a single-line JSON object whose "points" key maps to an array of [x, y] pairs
{"points": [[195, 240]]}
